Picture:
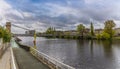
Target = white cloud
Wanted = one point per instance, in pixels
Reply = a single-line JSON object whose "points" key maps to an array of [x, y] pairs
{"points": [[6, 9], [15, 12], [17, 30], [57, 10], [39, 26], [93, 1], [117, 23], [59, 15], [27, 14], [3, 8], [8, 13]]}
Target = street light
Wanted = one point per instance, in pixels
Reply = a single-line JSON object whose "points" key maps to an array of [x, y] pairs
{"points": [[34, 41]]}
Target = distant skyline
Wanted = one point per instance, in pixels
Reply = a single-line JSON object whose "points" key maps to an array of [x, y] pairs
{"points": [[61, 14]]}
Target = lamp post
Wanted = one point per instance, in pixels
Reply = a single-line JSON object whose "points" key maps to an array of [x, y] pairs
{"points": [[35, 40]]}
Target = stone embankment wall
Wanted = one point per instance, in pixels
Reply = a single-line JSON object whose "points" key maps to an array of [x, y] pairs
{"points": [[3, 47]]}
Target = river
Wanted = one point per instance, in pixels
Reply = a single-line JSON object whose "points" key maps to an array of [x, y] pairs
{"points": [[81, 54]]}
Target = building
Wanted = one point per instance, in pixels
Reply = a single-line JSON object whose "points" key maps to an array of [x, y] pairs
{"points": [[70, 32], [31, 32], [74, 32], [98, 31], [117, 31]]}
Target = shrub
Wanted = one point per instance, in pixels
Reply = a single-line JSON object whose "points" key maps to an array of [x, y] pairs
{"points": [[103, 36], [98, 36], [1, 32], [5, 35]]}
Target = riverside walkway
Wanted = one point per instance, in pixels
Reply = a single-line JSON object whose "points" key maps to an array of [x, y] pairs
{"points": [[5, 59], [25, 60], [15, 57]]}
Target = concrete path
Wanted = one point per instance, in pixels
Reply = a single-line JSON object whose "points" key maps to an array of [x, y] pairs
{"points": [[26, 61], [5, 59]]}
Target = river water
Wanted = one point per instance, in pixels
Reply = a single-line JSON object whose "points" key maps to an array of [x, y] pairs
{"points": [[81, 54]]}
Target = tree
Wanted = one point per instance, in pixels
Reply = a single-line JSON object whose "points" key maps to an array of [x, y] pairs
{"points": [[81, 29], [92, 29], [50, 30], [105, 35], [1, 32], [5, 35], [98, 36], [109, 25]]}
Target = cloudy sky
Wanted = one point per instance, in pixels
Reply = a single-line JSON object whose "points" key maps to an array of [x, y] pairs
{"points": [[61, 14]]}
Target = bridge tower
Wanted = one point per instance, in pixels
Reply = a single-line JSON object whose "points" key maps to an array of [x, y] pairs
{"points": [[8, 26]]}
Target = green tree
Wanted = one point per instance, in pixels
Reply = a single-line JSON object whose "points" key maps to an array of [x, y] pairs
{"points": [[81, 29], [5, 35], [50, 30], [105, 35], [98, 36], [109, 25], [1, 32], [92, 29]]}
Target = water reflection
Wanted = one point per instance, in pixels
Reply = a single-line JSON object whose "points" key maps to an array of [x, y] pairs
{"points": [[107, 46], [81, 54], [91, 48]]}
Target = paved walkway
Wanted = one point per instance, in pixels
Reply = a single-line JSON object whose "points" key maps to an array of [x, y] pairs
{"points": [[25, 60], [5, 60]]}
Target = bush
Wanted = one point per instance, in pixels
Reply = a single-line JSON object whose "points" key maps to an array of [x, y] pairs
{"points": [[98, 36], [103, 36], [89, 36]]}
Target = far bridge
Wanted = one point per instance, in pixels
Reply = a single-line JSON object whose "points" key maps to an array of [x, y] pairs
{"points": [[28, 57]]}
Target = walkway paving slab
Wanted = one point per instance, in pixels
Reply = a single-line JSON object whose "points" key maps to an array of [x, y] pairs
{"points": [[25, 60], [5, 59]]}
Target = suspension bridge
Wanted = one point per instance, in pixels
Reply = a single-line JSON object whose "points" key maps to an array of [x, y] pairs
{"points": [[24, 57]]}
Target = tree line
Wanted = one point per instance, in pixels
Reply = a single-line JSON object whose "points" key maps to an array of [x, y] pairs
{"points": [[107, 33]]}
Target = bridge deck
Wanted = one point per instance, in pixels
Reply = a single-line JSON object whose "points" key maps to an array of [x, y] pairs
{"points": [[26, 61]]}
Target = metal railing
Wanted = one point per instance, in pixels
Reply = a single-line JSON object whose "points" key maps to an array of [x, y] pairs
{"points": [[51, 62]]}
